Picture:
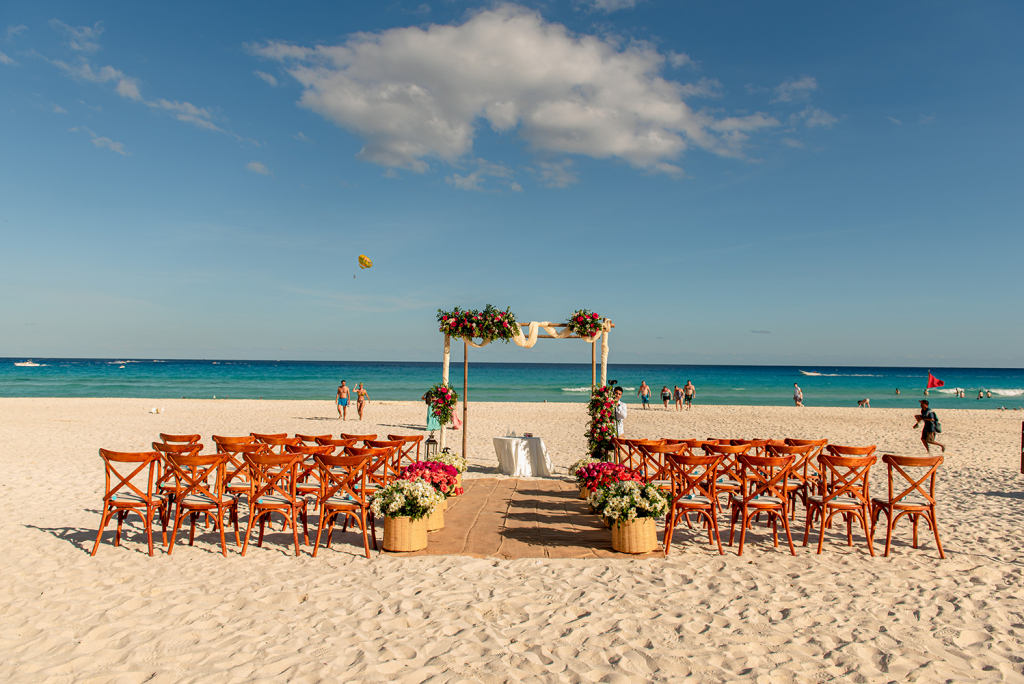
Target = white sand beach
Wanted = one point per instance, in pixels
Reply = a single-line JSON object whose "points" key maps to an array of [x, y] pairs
{"points": [[196, 616]]}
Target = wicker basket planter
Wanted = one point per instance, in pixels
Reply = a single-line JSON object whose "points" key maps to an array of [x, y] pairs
{"points": [[458, 480], [405, 534], [435, 521], [635, 536], [584, 492]]}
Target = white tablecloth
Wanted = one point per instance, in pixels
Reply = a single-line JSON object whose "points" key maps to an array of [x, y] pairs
{"points": [[522, 456]]}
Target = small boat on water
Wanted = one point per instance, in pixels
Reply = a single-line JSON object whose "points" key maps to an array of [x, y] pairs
{"points": [[810, 372], [28, 363]]}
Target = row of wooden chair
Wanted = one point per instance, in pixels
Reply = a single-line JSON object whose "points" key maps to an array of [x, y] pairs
{"points": [[275, 473], [768, 477]]}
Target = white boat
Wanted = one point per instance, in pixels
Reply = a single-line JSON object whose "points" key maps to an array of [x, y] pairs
{"points": [[28, 363], [810, 372]]}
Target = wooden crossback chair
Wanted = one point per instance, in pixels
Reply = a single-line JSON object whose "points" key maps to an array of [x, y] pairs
{"points": [[756, 446], [263, 437], [844, 490], [411, 442], [624, 453], [195, 494], [793, 484], [236, 468], [344, 492], [310, 440], [179, 439], [728, 480], [124, 496], [806, 469], [166, 484], [358, 438], [692, 491], [273, 484], [913, 501], [393, 463], [652, 462], [376, 469], [307, 482], [278, 445], [336, 443], [762, 491]]}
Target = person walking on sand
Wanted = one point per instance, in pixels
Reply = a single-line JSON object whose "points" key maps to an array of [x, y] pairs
{"points": [[798, 395], [362, 398], [343, 392], [620, 412], [689, 392], [678, 394], [645, 395], [665, 396], [931, 427]]}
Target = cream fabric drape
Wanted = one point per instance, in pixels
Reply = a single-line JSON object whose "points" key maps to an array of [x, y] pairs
{"points": [[534, 328]]}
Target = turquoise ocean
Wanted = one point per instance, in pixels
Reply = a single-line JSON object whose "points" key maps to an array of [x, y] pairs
{"points": [[406, 381]]}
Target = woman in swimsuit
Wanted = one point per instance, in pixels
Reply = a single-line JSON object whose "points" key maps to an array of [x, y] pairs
{"points": [[665, 395], [362, 396]]}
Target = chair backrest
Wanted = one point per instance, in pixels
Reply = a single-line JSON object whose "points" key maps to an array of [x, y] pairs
{"points": [[340, 443], [625, 453], [230, 441], [394, 460], [911, 481], [411, 442], [359, 438], [259, 437], [797, 452], [279, 445], [192, 473], [187, 448], [235, 465], [652, 458], [764, 476], [179, 439], [695, 444], [376, 471], [807, 468], [757, 446], [122, 467], [730, 465], [343, 475], [837, 450], [689, 472], [311, 439], [846, 475], [272, 475]]}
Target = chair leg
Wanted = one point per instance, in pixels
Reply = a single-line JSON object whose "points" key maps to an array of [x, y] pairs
{"points": [[849, 528], [826, 521], [192, 528], [248, 529], [935, 529], [220, 526], [807, 526], [366, 542], [149, 529], [234, 519], [120, 519], [263, 519], [864, 522], [295, 532], [104, 519], [789, 535], [718, 535], [669, 523], [775, 527], [888, 531], [744, 520], [915, 517], [732, 523], [320, 529], [373, 530], [174, 530]]}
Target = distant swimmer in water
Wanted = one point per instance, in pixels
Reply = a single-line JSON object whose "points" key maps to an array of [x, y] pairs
{"points": [[981, 395], [988, 394], [864, 403], [897, 390], [926, 393]]}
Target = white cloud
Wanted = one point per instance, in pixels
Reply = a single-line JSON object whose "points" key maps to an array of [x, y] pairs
{"points": [[790, 90], [679, 60], [611, 5], [413, 93], [792, 142], [817, 118], [705, 87], [301, 136], [556, 174], [257, 167], [16, 30], [100, 141], [269, 78], [895, 120], [57, 109], [4, 59], [515, 187], [485, 170], [80, 38], [927, 119]]}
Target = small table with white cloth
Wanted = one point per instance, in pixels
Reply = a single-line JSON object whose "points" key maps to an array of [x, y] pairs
{"points": [[522, 456]]}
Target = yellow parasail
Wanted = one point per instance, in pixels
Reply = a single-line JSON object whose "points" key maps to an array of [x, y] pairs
{"points": [[364, 261]]}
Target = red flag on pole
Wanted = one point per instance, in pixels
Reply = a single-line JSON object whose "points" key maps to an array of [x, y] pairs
{"points": [[934, 381]]}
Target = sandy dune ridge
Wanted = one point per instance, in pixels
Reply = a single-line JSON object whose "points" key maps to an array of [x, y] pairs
{"points": [[697, 616]]}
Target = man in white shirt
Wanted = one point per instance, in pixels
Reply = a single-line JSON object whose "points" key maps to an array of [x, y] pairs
{"points": [[620, 412]]}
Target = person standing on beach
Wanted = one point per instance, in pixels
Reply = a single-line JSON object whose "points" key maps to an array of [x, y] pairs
{"points": [[931, 427], [362, 397], [665, 396], [343, 392], [798, 395], [678, 394], [689, 392], [620, 412], [645, 394]]}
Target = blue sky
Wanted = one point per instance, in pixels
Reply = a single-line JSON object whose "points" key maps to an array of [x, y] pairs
{"points": [[769, 183]]}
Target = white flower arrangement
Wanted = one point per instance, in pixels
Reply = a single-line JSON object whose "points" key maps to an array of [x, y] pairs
{"points": [[628, 500], [452, 458], [406, 498], [586, 460]]}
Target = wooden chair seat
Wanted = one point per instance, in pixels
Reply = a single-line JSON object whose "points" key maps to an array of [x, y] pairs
{"points": [[758, 501], [907, 503]]}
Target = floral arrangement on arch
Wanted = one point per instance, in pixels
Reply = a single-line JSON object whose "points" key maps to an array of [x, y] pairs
{"points": [[601, 429], [628, 500], [585, 323], [594, 476], [438, 475], [449, 458], [490, 324], [406, 498], [442, 399]]}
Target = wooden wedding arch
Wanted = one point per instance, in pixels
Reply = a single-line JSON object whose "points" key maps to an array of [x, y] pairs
{"points": [[555, 331]]}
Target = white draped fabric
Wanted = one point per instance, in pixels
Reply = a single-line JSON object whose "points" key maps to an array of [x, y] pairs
{"points": [[527, 341], [522, 456]]}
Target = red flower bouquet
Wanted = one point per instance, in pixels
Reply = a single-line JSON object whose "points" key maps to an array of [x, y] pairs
{"points": [[440, 476], [593, 476]]}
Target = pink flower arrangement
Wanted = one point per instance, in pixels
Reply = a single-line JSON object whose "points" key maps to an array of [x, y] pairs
{"points": [[441, 477], [593, 476], [489, 324], [585, 323]]}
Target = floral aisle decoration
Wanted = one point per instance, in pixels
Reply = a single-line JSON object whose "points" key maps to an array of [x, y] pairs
{"points": [[594, 476], [489, 324], [442, 400], [627, 500], [440, 476], [585, 323], [574, 469], [601, 429], [413, 499], [450, 458]]}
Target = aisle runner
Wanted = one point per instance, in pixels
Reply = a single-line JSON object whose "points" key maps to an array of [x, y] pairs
{"points": [[512, 518]]}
